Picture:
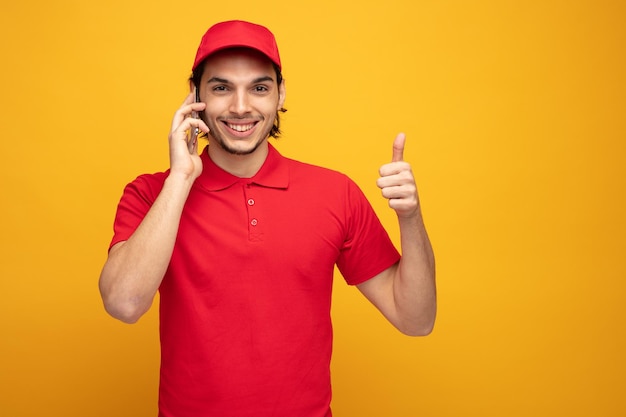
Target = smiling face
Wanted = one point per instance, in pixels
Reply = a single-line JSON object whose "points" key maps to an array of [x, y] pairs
{"points": [[242, 96]]}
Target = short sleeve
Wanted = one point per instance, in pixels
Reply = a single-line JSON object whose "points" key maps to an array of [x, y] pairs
{"points": [[137, 198], [367, 250]]}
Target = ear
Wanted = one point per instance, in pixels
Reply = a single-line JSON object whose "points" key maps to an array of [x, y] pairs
{"points": [[282, 91]]}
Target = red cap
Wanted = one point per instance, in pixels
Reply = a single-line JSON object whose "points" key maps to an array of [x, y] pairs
{"points": [[234, 34]]}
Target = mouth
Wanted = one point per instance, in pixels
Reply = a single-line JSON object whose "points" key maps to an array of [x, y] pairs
{"points": [[239, 127]]}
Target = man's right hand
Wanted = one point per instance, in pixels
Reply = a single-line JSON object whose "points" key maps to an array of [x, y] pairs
{"points": [[182, 162]]}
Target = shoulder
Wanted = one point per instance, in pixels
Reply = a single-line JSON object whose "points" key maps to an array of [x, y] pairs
{"points": [[299, 170], [147, 186], [324, 185]]}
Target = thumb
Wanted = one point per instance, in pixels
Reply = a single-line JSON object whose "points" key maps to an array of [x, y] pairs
{"points": [[398, 148]]}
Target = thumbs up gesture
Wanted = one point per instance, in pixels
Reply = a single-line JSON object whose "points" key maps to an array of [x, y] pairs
{"points": [[397, 182]]}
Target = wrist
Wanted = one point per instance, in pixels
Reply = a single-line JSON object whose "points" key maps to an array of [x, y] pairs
{"points": [[179, 181]]}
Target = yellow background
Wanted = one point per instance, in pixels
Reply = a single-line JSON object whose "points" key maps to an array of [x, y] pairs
{"points": [[516, 125]]}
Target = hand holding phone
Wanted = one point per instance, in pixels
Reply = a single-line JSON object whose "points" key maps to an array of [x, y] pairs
{"points": [[192, 142]]}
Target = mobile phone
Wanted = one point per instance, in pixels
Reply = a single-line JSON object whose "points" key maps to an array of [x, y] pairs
{"points": [[194, 131]]}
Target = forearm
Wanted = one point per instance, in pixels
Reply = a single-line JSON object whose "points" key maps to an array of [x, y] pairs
{"points": [[414, 288], [134, 270]]}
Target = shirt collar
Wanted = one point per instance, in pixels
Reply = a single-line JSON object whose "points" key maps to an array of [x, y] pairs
{"points": [[274, 173]]}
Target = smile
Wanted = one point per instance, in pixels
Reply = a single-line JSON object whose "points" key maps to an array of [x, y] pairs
{"points": [[239, 127]]}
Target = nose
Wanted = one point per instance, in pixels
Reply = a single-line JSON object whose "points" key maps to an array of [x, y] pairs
{"points": [[240, 103]]}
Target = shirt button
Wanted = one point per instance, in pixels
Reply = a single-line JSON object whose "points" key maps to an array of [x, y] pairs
{"points": [[250, 202], [254, 222]]}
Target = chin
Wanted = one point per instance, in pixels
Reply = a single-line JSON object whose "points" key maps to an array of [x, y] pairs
{"points": [[247, 149]]}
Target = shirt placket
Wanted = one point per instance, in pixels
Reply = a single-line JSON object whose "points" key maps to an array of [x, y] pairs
{"points": [[255, 220]]}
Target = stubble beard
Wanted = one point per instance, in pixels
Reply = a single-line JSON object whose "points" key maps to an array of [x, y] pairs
{"points": [[218, 138]]}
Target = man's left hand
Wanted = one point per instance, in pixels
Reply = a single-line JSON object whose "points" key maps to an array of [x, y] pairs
{"points": [[397, 182]]}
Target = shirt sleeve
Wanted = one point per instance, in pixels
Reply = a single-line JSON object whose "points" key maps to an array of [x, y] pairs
{"points": [[137, 198], [367, 250]]}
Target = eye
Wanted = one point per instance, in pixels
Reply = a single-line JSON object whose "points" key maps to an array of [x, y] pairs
{"points": [[220, 88], [261, 89]]}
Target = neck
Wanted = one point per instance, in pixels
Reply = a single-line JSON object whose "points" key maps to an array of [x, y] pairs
{"points": [[242, 166]]}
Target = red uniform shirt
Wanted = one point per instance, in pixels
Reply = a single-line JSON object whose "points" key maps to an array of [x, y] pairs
{"points": [[245, 302]]}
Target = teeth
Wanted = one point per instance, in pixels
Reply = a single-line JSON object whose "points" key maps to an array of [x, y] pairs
{"points": [[241, 128]]}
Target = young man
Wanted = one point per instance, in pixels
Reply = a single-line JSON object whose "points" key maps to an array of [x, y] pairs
{"points": [[241, 244]]}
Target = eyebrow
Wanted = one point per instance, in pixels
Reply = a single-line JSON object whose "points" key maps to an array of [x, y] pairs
{"points": [[225, 81]]}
